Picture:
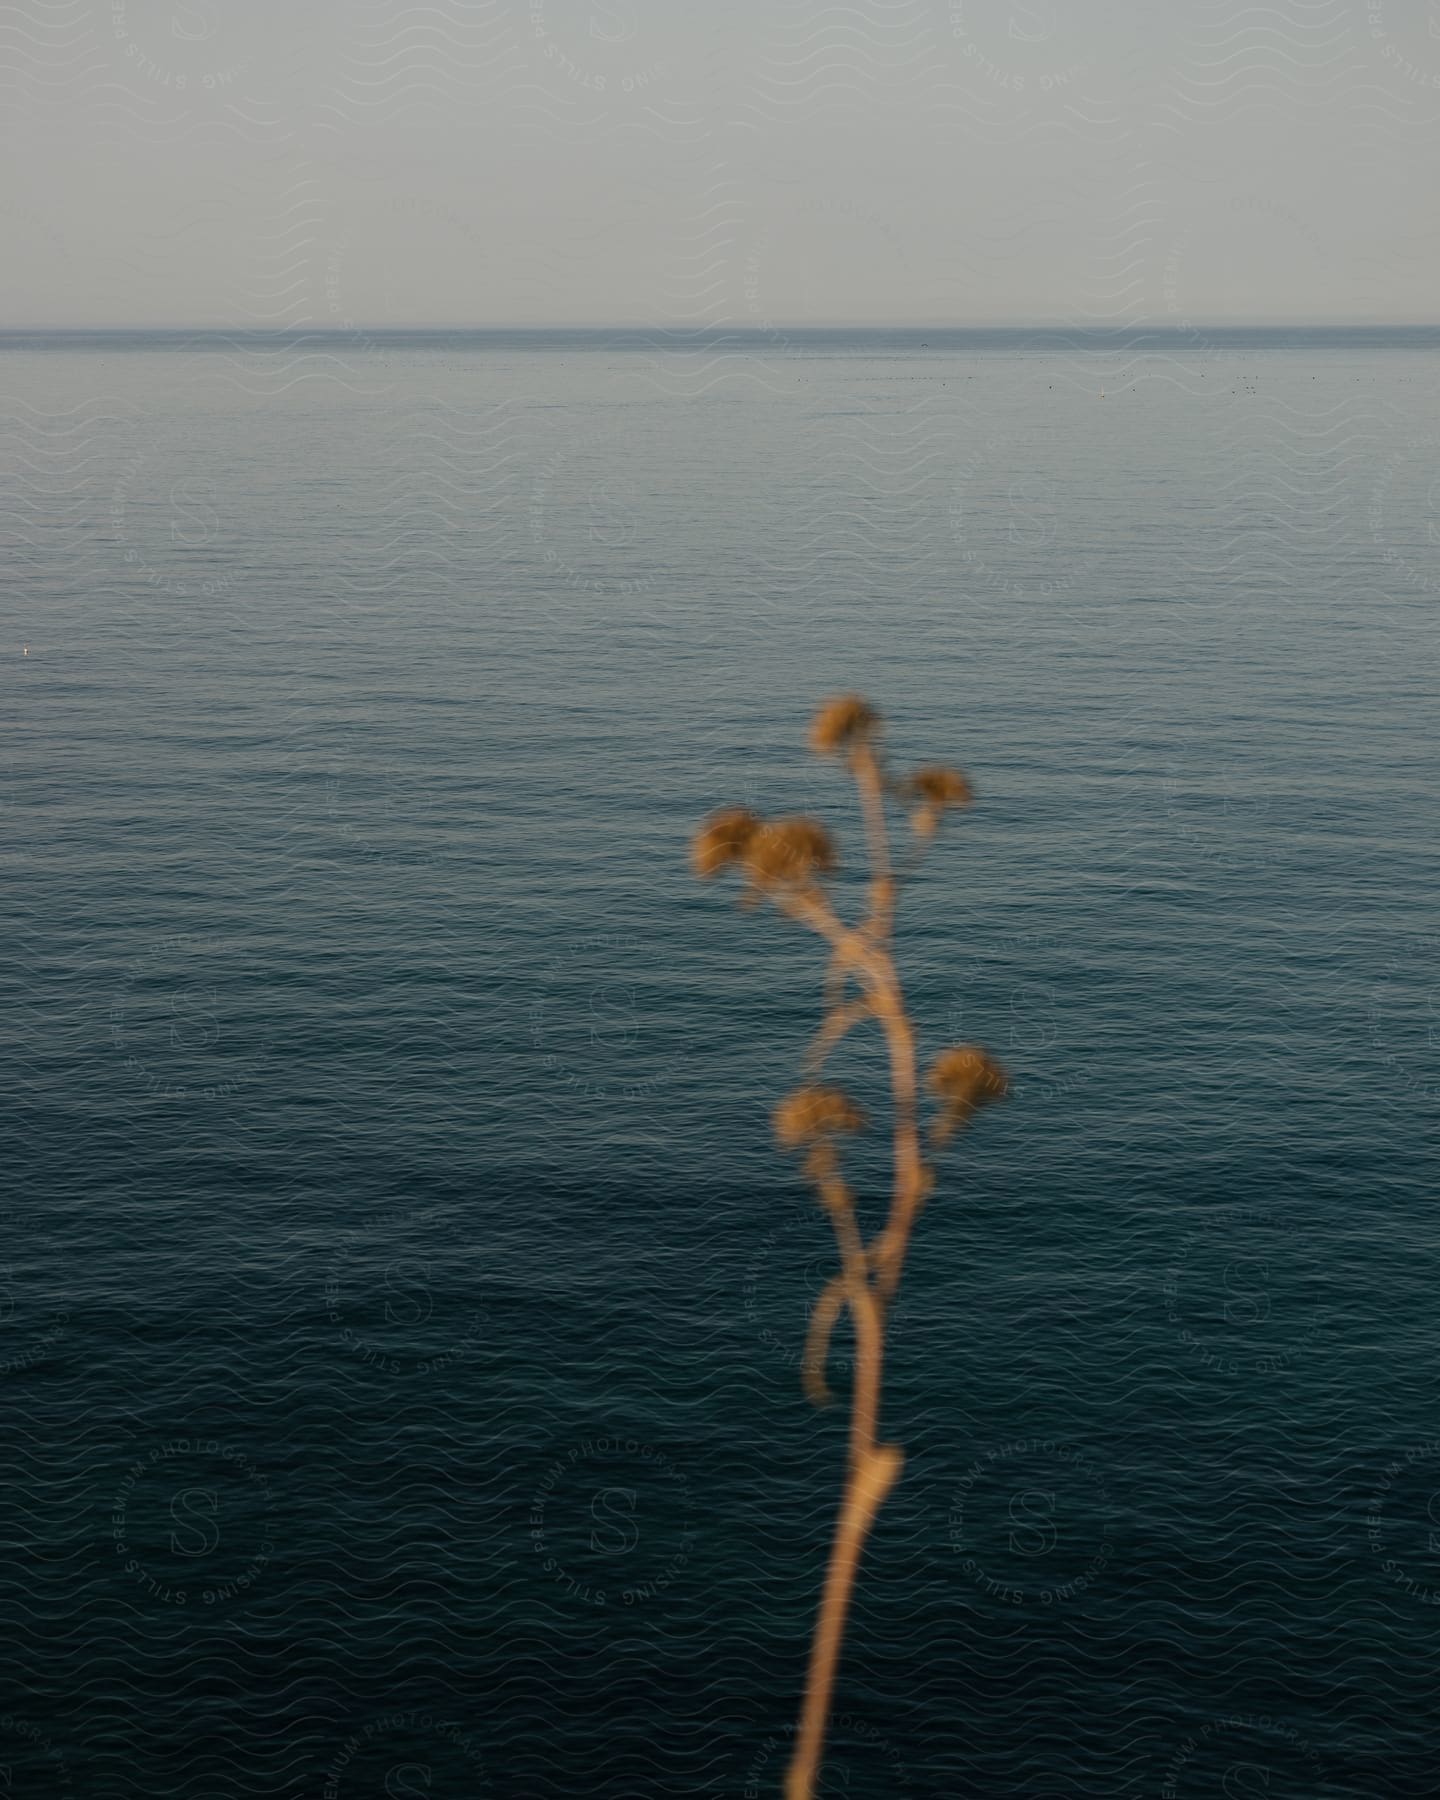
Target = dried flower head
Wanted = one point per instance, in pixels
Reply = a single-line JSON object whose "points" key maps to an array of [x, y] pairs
{"points": [[841, 723], [931, 792], [721, 840], [789, 853], [939, 785], [964, 1079], [812, 1113]]}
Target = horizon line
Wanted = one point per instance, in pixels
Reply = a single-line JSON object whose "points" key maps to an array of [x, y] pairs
{"points": [[770, 330]]}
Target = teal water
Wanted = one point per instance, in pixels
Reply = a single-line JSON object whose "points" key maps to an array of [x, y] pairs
{"points": [[403, 1296]]}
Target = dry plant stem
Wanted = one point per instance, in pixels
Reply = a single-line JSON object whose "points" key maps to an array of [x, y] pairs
{"points": [[872, 962], [872, 800], [869, 1481], [787, 860], [872, 1470], [823, 1319], [866, 1312], [834, 991], [838, 1021], [824, 1315], [889, 1248]]}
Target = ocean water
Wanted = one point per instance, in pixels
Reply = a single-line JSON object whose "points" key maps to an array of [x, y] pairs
{"points": [[402, 1294]]}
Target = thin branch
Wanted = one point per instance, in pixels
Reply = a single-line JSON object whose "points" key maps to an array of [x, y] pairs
{"points": [[911, 1175], [833, 989], [824, 1316], [868, 779], [838, 1021], [866, 1313]]}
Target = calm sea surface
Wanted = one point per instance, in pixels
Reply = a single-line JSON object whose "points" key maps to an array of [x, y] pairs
{"points": [[402, 1297]]}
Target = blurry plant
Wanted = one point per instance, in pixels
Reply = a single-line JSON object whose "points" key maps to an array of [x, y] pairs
{"points": [[786, 861]]}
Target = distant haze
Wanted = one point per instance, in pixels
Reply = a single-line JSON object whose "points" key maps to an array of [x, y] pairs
{"points": [[344, 164]]}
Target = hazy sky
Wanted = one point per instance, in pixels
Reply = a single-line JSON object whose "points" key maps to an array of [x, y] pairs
{"points": [[308, 162]]}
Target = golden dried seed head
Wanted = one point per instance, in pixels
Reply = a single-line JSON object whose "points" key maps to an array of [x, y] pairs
{"points": [[813, 1113], [965, 1078], [721, 840], [841, 723], [938, 786], [789, 853]]}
